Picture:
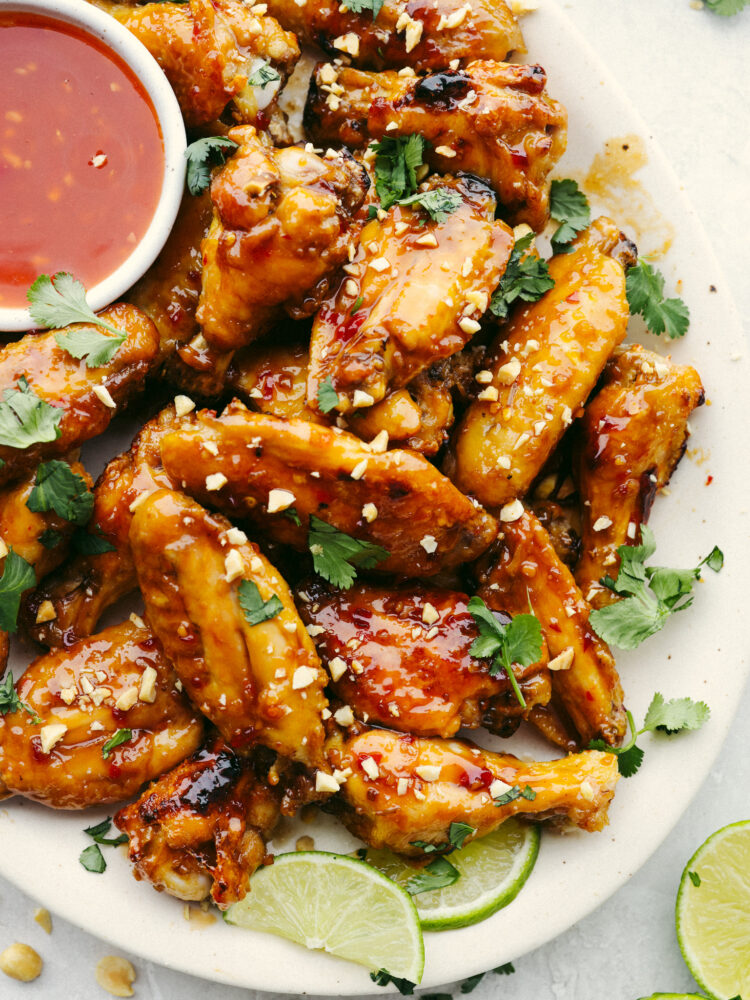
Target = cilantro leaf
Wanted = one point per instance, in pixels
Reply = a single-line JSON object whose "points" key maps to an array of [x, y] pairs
{"points": [[92, 859], [263, 75], [335, 554], [99, 831], [255, 609], [120, 737], [97, 348], [516, 792], [383, 978], [570, 207], [437, 875], [9, 700], [201, 156], [89, 543], [505, 970], [651, 594], [439, 202], [50, 538], [458, 832], [25, 419], [58, 488], [526, 279], [356, 307], [695, 878], [644, 286], [629, 762], [470, 984], [396, 161], [328, 398], [60, 301], [361, 6], [727, 8], [18, 576], [519, 641]]}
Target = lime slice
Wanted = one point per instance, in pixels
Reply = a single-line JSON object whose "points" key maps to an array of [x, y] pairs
{"points": [[713, 918], [334, 903], [493, 870]]}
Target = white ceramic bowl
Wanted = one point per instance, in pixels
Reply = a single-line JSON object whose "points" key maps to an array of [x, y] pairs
{"points": [[125, 45]]}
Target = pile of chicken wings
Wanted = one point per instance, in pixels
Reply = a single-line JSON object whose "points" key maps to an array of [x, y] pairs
{"points": [[501, 458]]}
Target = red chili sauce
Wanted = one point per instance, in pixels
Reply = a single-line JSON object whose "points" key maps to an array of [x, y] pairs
{"points": [[81, 155]]}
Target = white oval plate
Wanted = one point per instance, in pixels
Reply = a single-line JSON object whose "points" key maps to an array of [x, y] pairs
{"points": [[701, 653]]}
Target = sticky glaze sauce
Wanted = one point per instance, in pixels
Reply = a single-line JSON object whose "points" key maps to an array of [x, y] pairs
{"points": [[81, 155]]}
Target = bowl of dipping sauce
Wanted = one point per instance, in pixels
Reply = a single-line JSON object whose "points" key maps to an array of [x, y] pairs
{"points": [[92, 153]]}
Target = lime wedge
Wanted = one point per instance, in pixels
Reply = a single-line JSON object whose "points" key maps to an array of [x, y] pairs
{"points": [[492, 870], [674, 996], [713, 917], [334, 903]]}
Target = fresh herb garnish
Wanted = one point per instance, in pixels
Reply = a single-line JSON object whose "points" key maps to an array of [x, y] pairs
{"points": [[58, 488], [120, 737], [92, 859], [355, 308], [505, 970], [255, 609], [25, 419], [362, 6], [18, 576], [336, 556], [50, 538], [644, 286], [437, 875], [263, 75], [384, 978], [10, 702], [202, 155], [396, 161], [88, 543], [470, 984], [669, 717], [695, 878], [328, 398], [516, 792], [650, 593], [526, 279], [519, 641], [569, 206], [439, 202], [98, 834], [457, 834], [61, 300], [727, 8], [291, 515]]}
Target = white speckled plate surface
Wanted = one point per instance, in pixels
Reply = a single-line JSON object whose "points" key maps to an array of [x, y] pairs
{"points": [[702, 653]]}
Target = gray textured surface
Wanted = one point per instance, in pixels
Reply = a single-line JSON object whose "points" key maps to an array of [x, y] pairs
{"points": [[686, 71]]}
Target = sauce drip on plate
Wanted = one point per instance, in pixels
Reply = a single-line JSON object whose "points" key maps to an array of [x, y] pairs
{"points": [[81, 155]]}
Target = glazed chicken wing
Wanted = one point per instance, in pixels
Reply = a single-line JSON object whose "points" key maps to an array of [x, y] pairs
{"points": [[403, 789], [412, 295], [401, 658], [272, 377], [200, 829], [525, 573], [254, 674], [209, 50], [491, 119], [394, 499], [283, 220], [116, 681], [416, 33], [36, 364], [544, 364], [633, 434], [87, 585]]}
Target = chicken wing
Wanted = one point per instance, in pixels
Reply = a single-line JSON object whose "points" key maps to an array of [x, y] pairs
{"points": [[404, 789], [545, 363], [115, 683], [412, 295], [633, 434], [283, 220], [412, 511], [200, 829], [401, 658], [88, 584], [37, 365], [272, 378], [209, 50], [491, 119], [254, 673], [525, 573], [422, 35]]}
